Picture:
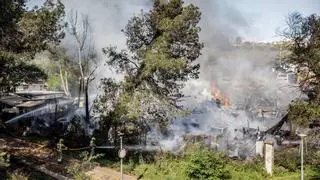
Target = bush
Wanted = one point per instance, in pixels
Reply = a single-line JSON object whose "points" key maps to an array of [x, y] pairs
{"points": [[243, 170], [313, 160], [18, 175], [77, 170], [4, 159], [289, 159], [166, 168], [201, 163]]}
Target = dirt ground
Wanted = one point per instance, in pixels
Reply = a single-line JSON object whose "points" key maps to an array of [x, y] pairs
{"points": [[42, 156], [102, 173]]}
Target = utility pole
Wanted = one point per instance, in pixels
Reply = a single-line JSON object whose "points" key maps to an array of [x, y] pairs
{"points": [[121, 159], [301, 145], [122, 153]]}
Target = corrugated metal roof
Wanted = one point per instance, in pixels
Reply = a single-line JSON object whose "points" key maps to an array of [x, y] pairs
{"points": [[28, 104], [38, 93], [12, 99]]}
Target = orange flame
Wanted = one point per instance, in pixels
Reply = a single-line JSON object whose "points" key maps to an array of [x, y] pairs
{"points": [[218, 96]]}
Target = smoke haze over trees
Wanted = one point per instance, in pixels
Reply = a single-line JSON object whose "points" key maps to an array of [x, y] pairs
{"points": [[304, 35], [162, 44]]}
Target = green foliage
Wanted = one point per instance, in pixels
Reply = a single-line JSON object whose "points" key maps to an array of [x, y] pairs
{"points": [[42, 27], [23, 33], [4, 160], [14, 72], [303, 34], [288, 159], [315, 162], [10, 13], [54, 82], [202, 163], [197, 163], [18, 175], [30, 31], [78, 169], [168, 167], [242, 170], [300, 113], [163, 45]]}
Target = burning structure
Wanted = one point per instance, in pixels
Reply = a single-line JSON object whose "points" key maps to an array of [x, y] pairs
{"points": [[218, 97], [248, 100], [41, 112]]}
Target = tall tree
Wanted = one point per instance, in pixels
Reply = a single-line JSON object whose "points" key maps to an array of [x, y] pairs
{"points": [[304, 35], [62, 69], [23, 33], [31, 31], [162, 46], [80, 30], [13, 72]]}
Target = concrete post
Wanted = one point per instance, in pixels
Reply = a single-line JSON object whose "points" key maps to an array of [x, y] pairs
{"points": [[259, 148], [269, 156]]}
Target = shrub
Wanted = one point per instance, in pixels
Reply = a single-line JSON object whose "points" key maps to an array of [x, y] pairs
{"points": [[201, 163], [18, 175], [78, 169], [288, 159], [4, 159], [243, 170], [163, 169]]}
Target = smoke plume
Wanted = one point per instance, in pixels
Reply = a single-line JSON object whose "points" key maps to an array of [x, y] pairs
{"points": [[242, 73]]}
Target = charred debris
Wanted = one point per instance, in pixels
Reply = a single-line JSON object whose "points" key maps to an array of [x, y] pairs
{"points": [[50, 113], [45, 113]]}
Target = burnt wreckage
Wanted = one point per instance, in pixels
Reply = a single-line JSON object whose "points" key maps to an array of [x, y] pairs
{"points": [[42, 112], [235, 128]]}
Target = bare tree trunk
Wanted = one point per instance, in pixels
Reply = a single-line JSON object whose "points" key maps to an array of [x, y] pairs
{"points": [[80, 61], [79, 94], [66, 83], [115, 142], [62, 79], [87, 101]]}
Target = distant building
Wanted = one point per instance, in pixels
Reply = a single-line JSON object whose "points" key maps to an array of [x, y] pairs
{"points": [[286, 73], [39, 86], [288, 78]]}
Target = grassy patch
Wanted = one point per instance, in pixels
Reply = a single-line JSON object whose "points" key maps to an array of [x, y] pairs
{"points": [[170, 167]]}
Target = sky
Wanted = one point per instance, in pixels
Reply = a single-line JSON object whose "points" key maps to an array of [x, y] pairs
{"points": [[268, 15], [263, 17]]}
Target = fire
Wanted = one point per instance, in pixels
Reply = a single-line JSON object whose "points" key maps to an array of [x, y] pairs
{"points": [[219, 97]]}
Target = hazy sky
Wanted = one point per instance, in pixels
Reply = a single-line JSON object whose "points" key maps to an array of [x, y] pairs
{"points": [[268, 15], [263, 16]]}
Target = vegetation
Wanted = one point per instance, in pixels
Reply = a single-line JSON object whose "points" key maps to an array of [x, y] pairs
{"points": [[4, 160], [301, 112], [24, 33], [78, 169], [17, 175], [169, 166], [202, 163], [14, 72], [304, 35], [162, 47]]}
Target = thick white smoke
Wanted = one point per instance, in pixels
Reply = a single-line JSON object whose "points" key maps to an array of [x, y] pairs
{"points": [[242, 74], [106, 19]]}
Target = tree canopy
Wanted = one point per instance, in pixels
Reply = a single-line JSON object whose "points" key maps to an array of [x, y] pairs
{"points": [[23, 33], [162, 46], [304, 35]]}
